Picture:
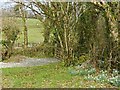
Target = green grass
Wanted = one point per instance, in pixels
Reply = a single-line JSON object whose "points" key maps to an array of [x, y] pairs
{"points": [[35, 29], [47, 76]]}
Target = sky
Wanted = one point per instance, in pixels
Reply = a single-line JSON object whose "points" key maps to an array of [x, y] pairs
{"points": [[5, 3], [2, 2]]}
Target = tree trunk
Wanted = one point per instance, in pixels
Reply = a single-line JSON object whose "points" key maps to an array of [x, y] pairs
{"points": [[25, 34], [23, 16]]}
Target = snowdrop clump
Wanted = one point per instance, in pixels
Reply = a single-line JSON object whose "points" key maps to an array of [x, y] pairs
{"points": [[102, 77]]}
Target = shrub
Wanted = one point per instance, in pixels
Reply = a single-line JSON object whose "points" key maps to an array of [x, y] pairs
{"points": [[82, 59], [10, 32], [40, 51]]}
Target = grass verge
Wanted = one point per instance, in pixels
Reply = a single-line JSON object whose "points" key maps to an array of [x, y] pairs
{"points": [[46, 76]]}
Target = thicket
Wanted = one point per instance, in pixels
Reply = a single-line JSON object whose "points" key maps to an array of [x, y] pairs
{"points": [[78, 29], [81, 31]]}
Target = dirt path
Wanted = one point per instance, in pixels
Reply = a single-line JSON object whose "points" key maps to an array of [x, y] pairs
{"points": [[29, 62]]}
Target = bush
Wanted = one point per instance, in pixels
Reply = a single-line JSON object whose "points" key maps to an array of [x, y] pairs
{"points": [[40, 51], [10, 32], [82, 59]]}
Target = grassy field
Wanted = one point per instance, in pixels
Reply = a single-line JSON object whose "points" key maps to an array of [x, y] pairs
{"points": [[35, 29], [47, 76]]}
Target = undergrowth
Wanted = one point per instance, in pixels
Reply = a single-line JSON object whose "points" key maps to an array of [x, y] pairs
{"points": [[36, 52]]}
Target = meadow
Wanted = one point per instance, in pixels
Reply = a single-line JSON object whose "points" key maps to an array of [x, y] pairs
{"points": [[35, 31]]}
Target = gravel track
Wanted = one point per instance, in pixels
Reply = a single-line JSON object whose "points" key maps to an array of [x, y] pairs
{"points": [[29, 62]]}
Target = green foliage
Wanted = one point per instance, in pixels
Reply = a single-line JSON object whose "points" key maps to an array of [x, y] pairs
{"points": [[83, 58], [115, 81], [90, 74], [92, 30], [10, 32], [79, 71], [102, 77], [40, 51], [105, 77]]}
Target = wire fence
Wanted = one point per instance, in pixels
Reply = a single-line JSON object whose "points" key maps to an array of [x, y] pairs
{"points": [[42, 48], [29, 44]]}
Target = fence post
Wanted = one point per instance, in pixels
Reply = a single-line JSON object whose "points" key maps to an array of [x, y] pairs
{"points": [[55, 51]]}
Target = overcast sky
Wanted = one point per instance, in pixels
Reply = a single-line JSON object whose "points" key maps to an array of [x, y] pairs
{"points": [[5, 3], [2, 2]]}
